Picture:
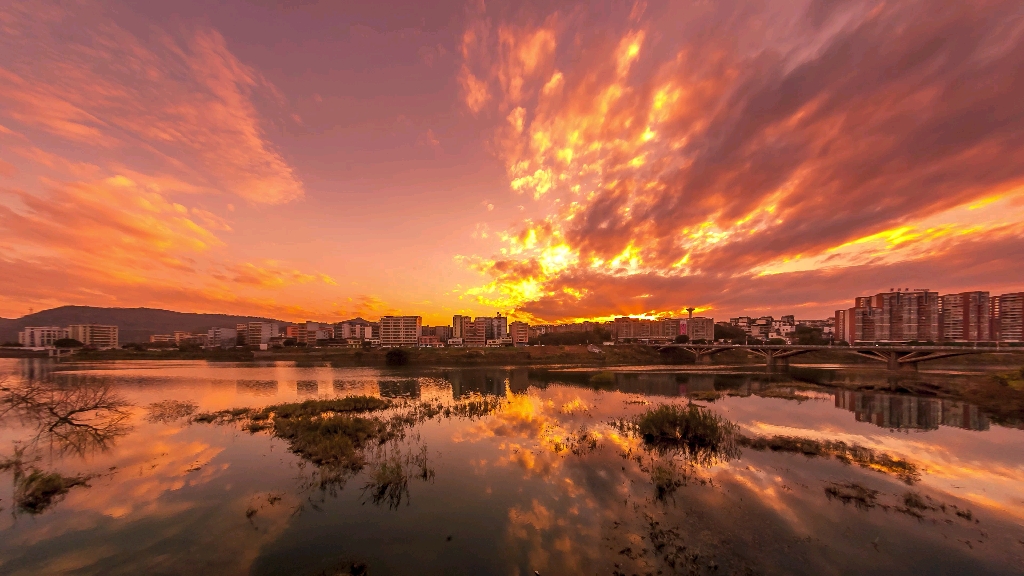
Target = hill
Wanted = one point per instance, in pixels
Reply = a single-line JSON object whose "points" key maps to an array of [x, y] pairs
{"points": [[135, 324]]}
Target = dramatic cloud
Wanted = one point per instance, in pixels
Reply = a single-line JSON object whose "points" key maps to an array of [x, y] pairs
{"points": [[688, 152], [183, 100], [109, 140]]}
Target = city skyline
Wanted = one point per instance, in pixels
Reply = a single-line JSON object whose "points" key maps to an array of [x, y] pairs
{"points": [[552, 161]]}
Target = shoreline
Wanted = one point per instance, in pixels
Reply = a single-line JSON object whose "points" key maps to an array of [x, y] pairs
{"points": [[567, 355]]}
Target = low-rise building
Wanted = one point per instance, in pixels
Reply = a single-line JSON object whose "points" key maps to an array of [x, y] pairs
{"points": [[430, 342]]}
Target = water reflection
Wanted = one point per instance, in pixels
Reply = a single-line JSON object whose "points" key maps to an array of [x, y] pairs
{"points": [[545, 483], [405, 388], [307, 388], [910, 412], [257, 387], [72, 418]]}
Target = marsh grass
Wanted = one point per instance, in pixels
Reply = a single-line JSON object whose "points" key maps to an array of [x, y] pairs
{"points": [[222, 416], [846, 453], [703, 437], [39, 490], [388, 479], [341, 438], [167, 411]]}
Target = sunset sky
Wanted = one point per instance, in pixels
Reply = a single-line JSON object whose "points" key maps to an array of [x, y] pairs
{"points": [[553, 161]]}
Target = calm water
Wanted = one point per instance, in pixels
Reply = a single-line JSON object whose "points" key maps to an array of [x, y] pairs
{"points": [[513, 492]]}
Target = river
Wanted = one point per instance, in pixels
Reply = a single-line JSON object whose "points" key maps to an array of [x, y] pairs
{"points": [[548, 479]]}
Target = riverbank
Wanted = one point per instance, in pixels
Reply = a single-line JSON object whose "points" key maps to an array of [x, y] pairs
{"points": [[623, 355]]}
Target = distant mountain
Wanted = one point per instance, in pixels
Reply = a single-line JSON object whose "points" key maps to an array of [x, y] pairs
{"points": [[134, 324]]}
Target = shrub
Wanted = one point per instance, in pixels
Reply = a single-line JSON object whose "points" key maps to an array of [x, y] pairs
{"points": [[396, 357]]}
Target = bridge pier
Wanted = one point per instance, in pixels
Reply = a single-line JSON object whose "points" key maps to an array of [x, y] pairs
{"points": [[773, 363]]}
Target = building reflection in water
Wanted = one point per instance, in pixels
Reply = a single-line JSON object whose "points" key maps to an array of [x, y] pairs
{"points": [[483, 381], [257, 387], [910, 412], [306, 388], [405, 388]]}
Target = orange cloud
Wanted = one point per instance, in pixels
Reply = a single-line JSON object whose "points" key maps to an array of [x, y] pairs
{"points": [[670, 157], [185, 101]]}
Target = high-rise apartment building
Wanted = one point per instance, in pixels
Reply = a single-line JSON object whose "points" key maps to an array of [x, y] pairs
{"points": [[400, 331], [966, 317], [259, 333], [95, 335], [496, 327], [1008, 317], [700, 328], [840, 327], [243, 334], [520, 333], [459, 325], [894, 316], [859, 325], [41, 336], [221, 337], [906, 315], [474, 334]]}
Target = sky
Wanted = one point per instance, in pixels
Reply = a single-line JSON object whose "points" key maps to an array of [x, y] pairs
{"points": [[553, 161]]}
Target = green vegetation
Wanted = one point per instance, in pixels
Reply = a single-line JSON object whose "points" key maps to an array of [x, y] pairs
{"points": [[221, 416], [702, 436], [315, 408], [729, 332], [67, 343], [1014, 380], [396, 357], [808, 335], [40, 490], [849, 454], [168, 411], [573, 338]]}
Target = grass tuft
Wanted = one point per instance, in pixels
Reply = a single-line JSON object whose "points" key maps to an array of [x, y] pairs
{"points": [[703, 436], [39, 490]]}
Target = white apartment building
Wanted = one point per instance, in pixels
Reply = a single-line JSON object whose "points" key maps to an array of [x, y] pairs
{"points": [[221, 337], [258, 333], [95, 335], [41, 336], [400, 331]]}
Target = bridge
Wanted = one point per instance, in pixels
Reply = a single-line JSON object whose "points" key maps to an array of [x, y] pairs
{"points": [[896, 356]]}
